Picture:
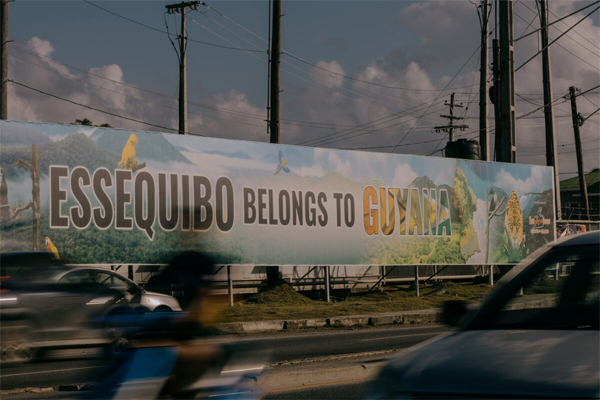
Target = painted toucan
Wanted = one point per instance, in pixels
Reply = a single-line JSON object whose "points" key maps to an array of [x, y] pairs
{"points": [[51, 248], [282, 164], [128, 160]]}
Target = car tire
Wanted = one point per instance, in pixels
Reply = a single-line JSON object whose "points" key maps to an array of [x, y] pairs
{"points": [[118, 332], [18, 342], [163, 309]]}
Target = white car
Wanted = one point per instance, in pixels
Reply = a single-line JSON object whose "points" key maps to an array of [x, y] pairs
{"points": [[536, 336], [133, 292]]}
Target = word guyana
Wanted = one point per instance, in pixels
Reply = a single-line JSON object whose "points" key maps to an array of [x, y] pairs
{"points": [[173, 198], [420, 211]]}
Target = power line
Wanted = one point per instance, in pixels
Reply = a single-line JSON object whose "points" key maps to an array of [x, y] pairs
{"points": [[576, 42], [552, 42], [96, 109], [371, 83], [206, 106], [558, 20], [288, 72], [448, 84], [161, 31], [358, 133], [365, 125], [298, 58]]}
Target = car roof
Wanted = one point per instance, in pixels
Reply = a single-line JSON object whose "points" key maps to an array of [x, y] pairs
{"points": [[580, 239]]}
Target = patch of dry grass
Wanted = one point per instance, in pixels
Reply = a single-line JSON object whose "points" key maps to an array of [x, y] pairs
{"points": [[282, 302]]}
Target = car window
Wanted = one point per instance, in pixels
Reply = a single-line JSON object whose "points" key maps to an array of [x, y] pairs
{"points": [[77, 277], [561, 292], [29, 269], [112, 280]]}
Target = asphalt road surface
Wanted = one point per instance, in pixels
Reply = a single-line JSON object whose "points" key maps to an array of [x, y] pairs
{"points": [[351, 391], [74, 367]]}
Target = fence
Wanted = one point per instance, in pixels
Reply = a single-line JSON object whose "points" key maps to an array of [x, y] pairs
{"points": [[248, 278]]}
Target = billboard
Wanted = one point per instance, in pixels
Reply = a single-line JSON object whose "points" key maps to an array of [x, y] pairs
{"points": [[107, 196]]}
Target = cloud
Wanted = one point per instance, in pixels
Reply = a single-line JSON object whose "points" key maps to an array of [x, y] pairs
{"points": [[403, 176], [331, 79], [334, 112], [535, 183]]}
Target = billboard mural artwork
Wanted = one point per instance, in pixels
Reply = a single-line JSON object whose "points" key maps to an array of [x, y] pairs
{"points": [[102, 195]]}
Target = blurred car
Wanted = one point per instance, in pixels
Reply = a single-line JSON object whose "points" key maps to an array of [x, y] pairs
{"points": [[132, 291], [45, 304], [536, 336]]}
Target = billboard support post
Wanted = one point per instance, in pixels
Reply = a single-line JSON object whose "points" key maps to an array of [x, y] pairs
{"points": [[229, 286], [417, 280], [327, 283]]}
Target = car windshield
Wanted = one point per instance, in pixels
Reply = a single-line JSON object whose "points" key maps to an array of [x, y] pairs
{"points": [[559, 291]]}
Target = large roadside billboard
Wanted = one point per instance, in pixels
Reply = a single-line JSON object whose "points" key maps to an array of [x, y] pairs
{"points": [[107, 196]]}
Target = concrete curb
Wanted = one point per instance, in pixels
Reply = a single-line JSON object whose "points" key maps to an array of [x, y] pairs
{"points": [[402, 318], [26, 390]]}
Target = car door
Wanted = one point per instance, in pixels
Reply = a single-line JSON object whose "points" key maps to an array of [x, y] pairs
{"points": [[114, 281]]}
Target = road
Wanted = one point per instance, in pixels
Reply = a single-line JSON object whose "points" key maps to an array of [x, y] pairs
{"points": [[73, 367]]}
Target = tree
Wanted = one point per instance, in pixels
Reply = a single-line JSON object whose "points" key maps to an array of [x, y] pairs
{"points": [[87, 122]]}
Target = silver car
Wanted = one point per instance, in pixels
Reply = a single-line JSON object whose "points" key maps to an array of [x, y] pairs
{"points": [[133, 292], [536, 336]]}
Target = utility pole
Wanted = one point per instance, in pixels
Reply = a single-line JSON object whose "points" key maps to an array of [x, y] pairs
{"points": [[4, 59], [450, 127], [495, 96], [275, 60], [507, 152], [577, 122], [484, 145], [180, 8], [551, 152]]}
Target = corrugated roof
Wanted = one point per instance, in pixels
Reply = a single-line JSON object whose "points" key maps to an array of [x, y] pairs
{"points": [[591, 178]]}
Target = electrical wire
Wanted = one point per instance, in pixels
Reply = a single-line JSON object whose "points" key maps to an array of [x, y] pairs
{"points": [[552, 42], [206, 106], [367, 125], [448, 84], [298, 58], [358, 133], [96, 109], [576, 42], [558, 20], [160, 30]]}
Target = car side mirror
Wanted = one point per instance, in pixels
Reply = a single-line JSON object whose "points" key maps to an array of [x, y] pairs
{"points": [[134, 290], [453, 311]]}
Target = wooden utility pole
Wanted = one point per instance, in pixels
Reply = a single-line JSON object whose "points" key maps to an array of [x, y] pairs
{"points": [[551, 152], [507, 141], [182, 38], [451, 118], [577, 122], [4, 59], [495, 97], [484, 145], [275, 60]]}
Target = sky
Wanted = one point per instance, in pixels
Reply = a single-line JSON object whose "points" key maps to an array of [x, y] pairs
{"points": [[360, 57]]}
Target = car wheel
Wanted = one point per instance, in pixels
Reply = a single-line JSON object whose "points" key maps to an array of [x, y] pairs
{"points": [[18, 342], [117, 347], [162, 309]]}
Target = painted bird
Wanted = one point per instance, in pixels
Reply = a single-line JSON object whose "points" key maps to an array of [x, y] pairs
{"points": [[51, 248], [128, 160], [282, 165], [493, 200]]}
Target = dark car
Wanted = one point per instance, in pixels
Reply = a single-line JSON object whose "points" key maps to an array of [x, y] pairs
{"points": [[536, 336], [38, 313]]}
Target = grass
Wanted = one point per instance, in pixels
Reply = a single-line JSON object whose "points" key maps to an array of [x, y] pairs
{"points": [[283, 302]]}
